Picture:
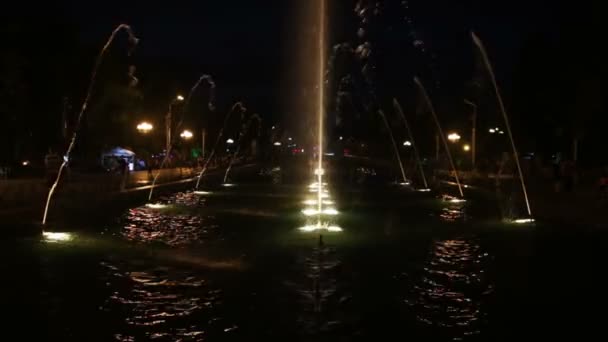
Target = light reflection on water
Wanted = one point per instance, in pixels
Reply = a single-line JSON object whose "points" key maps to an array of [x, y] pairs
{"points": [[449, 293], [162, 303], [320, 293], [179, 225]]}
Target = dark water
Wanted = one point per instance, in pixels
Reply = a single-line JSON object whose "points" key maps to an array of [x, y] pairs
{"points": [[231, 265]]}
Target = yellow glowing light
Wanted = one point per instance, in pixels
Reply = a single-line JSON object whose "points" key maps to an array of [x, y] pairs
{"points": [[330, 211], [319, 171], [186, 134], [315, 202], [179, 98], [156, 205], [407, 143], [56, 237], [310, 212], [457, 200], [423, 190], [453, 137], [310, 202], [145, 127], [317, 227], [404, 183], [466, 147], [25, 163], [202, 193], [228, 185], [277, 143], [492, 130]]}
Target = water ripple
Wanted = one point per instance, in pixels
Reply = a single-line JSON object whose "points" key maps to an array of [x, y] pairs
{"points": [[449, 293], [162, 304]]}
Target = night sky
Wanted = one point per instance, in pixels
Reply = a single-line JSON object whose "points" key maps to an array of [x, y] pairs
{"points": [[248, 45]]}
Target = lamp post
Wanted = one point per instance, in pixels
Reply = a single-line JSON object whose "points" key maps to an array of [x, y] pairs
{"points": [[473, 131], [454, 137]]}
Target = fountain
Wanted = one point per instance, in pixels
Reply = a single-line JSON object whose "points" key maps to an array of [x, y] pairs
{"points": [[241, 108], [238, 142], [66, 158], [211, 83], [395, 148], [488, 65], [414, 146], [441, 134]]}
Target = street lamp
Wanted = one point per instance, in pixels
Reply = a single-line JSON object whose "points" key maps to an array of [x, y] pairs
{"points": [[144, 127], [179, 98], [407, 143], [466, 147], [454, 137], [186, 134]]}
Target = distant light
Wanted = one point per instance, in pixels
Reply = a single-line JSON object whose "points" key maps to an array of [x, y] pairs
{"points": [[453, 137], [319, 172], [423, 190], [330, 154], [56, 237], [492, 130], [501, 132], [290, 139], [156, 205], [272, 127], [25, 163], [186, 134], [302, 150], [229, 141], [277, 143], [466, 147], [407, 143], [202, 193], [457, 200], [228, 185], [145, 127], [341, 138], [180, 98]]}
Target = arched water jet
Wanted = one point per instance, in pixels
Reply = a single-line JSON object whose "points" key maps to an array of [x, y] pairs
{"points": [[488, 65], [240, 107], [427, 99], [395, 148], [238, 142], [414, 146], [211, 83], [66, 158]]}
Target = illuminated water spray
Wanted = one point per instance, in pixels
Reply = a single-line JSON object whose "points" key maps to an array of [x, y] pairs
{"points": [[133, 41], [239, 141], [237, 106], [486, 61], [395, 149], [427, 99], [414, 146], [321, 105], [211, 83]]}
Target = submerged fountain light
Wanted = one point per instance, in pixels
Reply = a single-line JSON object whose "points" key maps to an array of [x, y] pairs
{"points": [[423, 190], [310, 212], [523, 221], [228, 185], [320, 227], [156, 206], [202, 193], [56, 237]]}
